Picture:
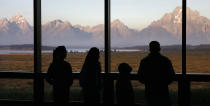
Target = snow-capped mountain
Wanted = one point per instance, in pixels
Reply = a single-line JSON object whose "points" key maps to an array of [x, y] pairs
{"points": [[15, 31], [21, 22], [167, 30], [198, 30], [172, 22]]}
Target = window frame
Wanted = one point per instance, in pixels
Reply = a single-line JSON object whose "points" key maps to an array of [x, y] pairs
{"points": [[39, 78]]}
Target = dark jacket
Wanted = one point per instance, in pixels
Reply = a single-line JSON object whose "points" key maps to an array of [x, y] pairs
{"points": [[60, 76], [90, 75], [90, 81], [124, 90], [156, 72]]}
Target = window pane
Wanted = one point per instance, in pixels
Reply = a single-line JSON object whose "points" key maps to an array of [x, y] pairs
{"points": [[16, 35], [198, 49], [139, 92], [200, 93], [76, 24], [198, 36], [75, 92], [173, 92], [135, 24], [18, 89]]}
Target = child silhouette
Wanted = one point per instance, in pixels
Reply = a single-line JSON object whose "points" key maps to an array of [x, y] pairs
{"points": [[60, 76], [124, 90]]}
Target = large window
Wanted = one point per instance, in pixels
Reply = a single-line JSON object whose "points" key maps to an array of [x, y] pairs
{"points": [[16, 35], [16, 89], [134, 24], [198, 49], [198, 36], [16, 47], [77, 25]]}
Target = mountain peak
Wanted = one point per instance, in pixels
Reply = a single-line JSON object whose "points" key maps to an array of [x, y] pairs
{"points": [[22, 23], [3, 22], [190, 12], [18, 15], [57, 21], [57, 25], [18, 19], [118, 24], [177, 15], [117, 21], [172, 22], [178, 8]]}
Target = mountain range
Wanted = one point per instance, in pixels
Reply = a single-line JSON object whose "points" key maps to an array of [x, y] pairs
{"points": [[167, 31]]}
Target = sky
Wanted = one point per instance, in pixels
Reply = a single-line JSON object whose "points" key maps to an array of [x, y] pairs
{"points": [[136, 14]]}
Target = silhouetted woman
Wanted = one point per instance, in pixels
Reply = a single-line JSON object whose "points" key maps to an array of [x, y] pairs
{"points": [[90, 79], [124, 90], [60, 76]]}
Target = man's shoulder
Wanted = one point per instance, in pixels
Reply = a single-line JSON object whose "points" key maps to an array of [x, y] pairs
{"points": [[165, 58], [150, 57], [145, 58], [67, 63]]}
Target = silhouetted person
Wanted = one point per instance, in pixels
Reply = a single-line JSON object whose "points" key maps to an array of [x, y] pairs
{"points": [[60, 76], [90, 77], [156, 72], [124, 90]]}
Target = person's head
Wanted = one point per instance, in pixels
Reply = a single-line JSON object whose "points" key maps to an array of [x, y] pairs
{"points": [[154, 47], [59, 53], [124, 68], [93, 54]]}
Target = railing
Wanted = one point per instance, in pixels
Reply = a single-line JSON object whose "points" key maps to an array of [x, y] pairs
{"points": [[183, 83]]}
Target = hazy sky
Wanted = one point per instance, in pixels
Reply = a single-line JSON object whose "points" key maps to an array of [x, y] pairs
{"points": [[134, 13]]}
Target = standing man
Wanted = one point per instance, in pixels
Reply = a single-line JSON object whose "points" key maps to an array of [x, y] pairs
{"points": [[156, 72]]}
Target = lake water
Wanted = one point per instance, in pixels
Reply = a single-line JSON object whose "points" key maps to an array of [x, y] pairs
{"points": [[69, 50]]}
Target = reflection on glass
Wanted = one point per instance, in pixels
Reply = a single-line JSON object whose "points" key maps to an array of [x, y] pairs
{"points": [[139, 92], [200, 93], [75, 92], [173, 92], [18, 89]]}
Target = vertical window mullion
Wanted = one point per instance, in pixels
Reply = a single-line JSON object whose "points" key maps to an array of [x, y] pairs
{"points": [[184, 82], [38, 80], [108, 92], [107, 36], [184, 5]]}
